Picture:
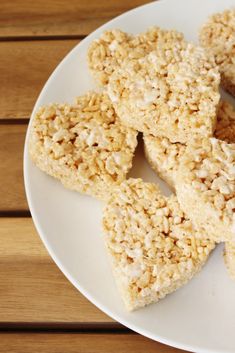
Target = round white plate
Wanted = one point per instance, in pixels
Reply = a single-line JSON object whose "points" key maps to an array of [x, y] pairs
{"points": [[200, 316]]}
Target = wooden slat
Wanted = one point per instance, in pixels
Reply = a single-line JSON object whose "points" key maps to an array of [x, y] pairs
{"points": [[32, 288], [24, 68], [11, 175], [80, 343], [58, 17]]}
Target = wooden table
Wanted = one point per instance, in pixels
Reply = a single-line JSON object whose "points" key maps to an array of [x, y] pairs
{"points": [[39, 309]]}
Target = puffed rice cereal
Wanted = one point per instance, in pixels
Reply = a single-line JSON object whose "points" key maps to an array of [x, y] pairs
{"points": [[153, 246], [205, 186], [218, 37], [164, 157], [107, 53]]}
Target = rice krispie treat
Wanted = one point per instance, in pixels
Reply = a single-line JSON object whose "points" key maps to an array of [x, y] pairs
{"points": [[229, 258], [171, 92], [218, 36], [164, 156], [205, 187], [83, 145], [107, 53], [152, 245]]}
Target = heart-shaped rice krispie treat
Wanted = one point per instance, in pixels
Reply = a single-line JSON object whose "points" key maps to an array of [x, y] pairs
{"points": [[83, 145], [107, 53], [205, 186], [153, 246], [218, 37], [164, 156], [170, 92]]}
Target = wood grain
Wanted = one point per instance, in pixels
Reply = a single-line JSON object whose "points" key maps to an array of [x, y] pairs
{"points": [[22, 18], [11, 175], [32, 288], [24, 68], [80, 343]]}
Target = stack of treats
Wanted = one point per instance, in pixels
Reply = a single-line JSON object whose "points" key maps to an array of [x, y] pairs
{"points": [[160, 85]]}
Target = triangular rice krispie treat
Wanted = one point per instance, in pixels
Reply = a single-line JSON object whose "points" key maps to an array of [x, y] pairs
{"points": [[107, 53], [171, 92], [218, 37], [83, 145], [153, 246], [205, 186], [164, 156]]}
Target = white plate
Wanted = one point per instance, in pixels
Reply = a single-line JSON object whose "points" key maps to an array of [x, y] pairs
{"points": [[198, 317]]}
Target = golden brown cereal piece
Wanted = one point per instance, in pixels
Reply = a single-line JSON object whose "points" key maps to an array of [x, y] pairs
{"points": [[205, 187], [225, 126], [153, 246], [218, 37], [170, 92], [107, 53], [83, 145], [164, 156]]}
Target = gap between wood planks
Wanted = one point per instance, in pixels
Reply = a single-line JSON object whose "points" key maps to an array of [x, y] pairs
{"points": [[41, 38], [80, 343], [14, 214], [61, 327], [13, 121]]}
